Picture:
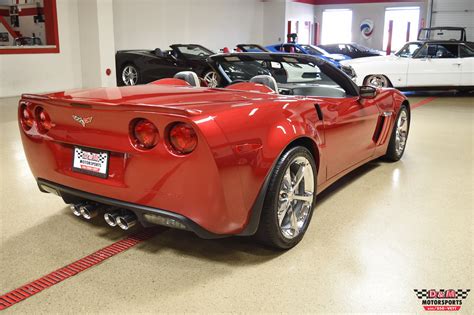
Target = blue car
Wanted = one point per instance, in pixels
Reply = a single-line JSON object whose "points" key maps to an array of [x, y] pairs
{"points": [[309, 50]]}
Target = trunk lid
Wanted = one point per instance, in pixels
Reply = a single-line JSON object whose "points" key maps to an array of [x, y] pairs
{"points": [[101, 118]]}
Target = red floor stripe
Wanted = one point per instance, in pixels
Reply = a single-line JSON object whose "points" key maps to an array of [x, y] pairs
{"points": [[423, 102], [15, 296]]}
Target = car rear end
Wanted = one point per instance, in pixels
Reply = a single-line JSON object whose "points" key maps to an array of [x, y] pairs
{"points": [[151, 162]]}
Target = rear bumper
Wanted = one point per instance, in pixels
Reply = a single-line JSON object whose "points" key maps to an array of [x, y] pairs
{"points": [[139, 210]]}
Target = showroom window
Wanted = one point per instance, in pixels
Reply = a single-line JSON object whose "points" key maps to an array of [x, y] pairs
{"points": [[401, 16], [337, 26], [28, 26]]}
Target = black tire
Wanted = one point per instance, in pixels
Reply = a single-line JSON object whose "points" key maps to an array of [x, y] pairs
{"points": [[394, 155], [269, 232], [121, 75]]}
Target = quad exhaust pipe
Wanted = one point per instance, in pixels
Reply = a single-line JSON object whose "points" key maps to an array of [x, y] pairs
{"points": [[76, 209], [122, 218], [84, 209], [127, 221], [113, 217], [89, 211]]}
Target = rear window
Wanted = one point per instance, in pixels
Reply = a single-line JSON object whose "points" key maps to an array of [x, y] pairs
{"points": [[194, 51]]}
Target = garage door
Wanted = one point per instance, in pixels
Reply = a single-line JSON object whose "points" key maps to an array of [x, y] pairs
{"points": [[454, 13]]}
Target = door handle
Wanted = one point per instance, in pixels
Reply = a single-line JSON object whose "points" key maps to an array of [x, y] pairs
{"points": [[319, 111], [456, 64]]}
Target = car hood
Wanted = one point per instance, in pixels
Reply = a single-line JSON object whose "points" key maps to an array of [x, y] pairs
{"points": [[369, 59], [337, 57]]}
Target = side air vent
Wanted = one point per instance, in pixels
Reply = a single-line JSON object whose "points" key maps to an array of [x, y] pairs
{"points": [[379, 128]]}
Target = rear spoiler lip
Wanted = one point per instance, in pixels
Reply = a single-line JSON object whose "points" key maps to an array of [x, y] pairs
{"points": [[159, 108], [35, 96]]}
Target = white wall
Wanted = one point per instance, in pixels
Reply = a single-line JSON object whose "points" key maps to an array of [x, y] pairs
{"points": [[274, 22], [89, 38], [149, 24], [299, 11], [454, 13], [96, 33], [373, 11], [31, 73]]}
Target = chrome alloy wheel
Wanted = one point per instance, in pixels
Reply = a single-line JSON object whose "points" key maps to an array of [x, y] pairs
{"points": [[211, 79], [378, 81], [130, 75], [295, 197], [401, 132]]}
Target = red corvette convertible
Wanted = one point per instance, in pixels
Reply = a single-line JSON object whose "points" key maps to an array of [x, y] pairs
{"points": [[246, 158]]}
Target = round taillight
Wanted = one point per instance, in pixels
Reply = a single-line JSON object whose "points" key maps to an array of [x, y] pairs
{"points": [[43, 120], [182, 138], [144, 134], [26, 117]]}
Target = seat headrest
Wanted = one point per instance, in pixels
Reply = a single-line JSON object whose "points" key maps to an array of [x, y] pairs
{"points": [[266, 80], [188, 76], [158, 52]]}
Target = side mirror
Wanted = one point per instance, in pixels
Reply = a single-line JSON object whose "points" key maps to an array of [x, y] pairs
{"points": [[367, 92]]}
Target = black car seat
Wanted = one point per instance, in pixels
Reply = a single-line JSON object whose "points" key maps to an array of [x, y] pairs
{"points": [[158, 52], [266, 80], [188, 76]]}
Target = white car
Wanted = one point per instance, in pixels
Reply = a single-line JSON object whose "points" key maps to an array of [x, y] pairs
{"points": [[419, 65]]}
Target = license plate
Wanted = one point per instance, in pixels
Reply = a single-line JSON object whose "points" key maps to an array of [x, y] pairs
{"points": [[91, 161]]}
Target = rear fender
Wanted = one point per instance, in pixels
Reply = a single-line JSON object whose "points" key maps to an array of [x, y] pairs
{"points": [[267, 134]]}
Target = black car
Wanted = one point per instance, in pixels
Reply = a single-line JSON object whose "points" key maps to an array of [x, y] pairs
{"points": [[352, 50], [143, 66]]}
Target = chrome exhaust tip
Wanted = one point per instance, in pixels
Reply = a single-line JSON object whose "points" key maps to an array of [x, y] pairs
{"points": [[89, 211], [111, 217], [126, 221], [76, 209]]}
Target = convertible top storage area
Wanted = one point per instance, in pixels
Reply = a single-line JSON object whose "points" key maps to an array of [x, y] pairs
{"points": [[316, 90]]}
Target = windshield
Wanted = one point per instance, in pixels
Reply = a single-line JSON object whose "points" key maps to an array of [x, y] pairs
{"points": [[288, 70], [441, 34], [192, 51], [314, 50], [361, 48], [251, 48], [294, 74], [283, 72], [408, 50]]}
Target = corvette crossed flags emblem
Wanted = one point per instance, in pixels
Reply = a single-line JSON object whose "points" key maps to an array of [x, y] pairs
{"points": [[82, 121]]}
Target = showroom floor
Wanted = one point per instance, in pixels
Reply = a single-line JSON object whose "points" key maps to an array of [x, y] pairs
{"points": [[377, 235]]}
